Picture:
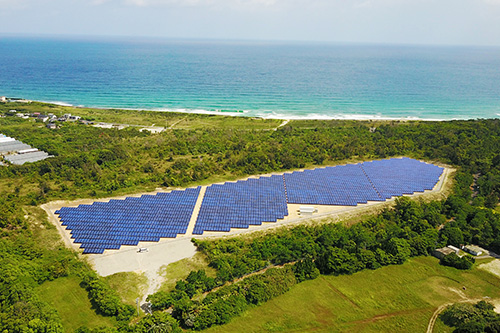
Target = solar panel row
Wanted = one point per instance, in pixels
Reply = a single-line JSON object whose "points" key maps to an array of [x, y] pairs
{"points": [[395, 177], [241, 204], [344, 185], [108, 225]]}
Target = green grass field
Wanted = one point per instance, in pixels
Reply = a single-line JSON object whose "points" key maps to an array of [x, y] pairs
{"points": [[391, 299], [72, 303]]}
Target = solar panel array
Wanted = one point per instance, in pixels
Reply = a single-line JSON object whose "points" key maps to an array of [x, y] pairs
{"points": [[395, 177], [241, 204], [108, 225]]}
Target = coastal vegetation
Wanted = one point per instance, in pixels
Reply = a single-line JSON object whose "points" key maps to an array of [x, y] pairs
{"points": [[248, 271]]}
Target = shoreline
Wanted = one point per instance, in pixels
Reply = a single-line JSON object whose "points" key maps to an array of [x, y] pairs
{"points": [[262, 115], [270, 115]]}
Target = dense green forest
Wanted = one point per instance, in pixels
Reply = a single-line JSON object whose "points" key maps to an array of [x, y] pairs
{"points": [[96, 162]]}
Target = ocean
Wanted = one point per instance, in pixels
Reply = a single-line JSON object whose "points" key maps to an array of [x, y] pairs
{"points": [[257, 79]]}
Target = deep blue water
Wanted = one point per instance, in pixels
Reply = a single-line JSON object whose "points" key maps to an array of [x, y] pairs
{"points": [[258, 79]]}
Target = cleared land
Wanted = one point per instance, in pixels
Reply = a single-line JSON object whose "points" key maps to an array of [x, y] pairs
{"points": [[393, 298]]}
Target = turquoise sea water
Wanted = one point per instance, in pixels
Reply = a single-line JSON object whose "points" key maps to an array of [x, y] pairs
{"points": [[281, 80]]}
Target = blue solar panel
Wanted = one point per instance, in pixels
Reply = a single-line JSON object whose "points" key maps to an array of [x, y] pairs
{"points": [[395, 177], [108, 225], [241, 204], [345, 185]]}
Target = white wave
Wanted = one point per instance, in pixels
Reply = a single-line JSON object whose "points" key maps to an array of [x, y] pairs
{"points": [[203, 111], [340, 116], [57, 103]]}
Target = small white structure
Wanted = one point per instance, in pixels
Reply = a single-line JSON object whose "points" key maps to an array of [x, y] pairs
{"points": [[307, 210], [473, 249], [153, 130], [456, 249], [3, 99], [142, 250], [43, 117]]}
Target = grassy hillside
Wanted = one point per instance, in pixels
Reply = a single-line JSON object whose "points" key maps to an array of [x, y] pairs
{"points": [[398, 298], [72, 303]]}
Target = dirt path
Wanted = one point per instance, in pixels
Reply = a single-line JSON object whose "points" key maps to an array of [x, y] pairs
{"points": [[178, 121], [341, 294], [262, 271], [286, 121], [196, 211], [387, 315], [435, 315]]}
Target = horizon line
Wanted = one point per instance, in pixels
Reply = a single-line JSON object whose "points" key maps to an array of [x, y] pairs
{"points": [[141, 38]]}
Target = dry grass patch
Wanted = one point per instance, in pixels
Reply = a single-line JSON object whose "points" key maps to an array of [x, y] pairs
{"points": [[129, 285], [180, 270]]}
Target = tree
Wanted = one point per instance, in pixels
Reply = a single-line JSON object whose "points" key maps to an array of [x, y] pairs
{"points": [[399, 249], [452, 235], [338, 261], [305, 270]]}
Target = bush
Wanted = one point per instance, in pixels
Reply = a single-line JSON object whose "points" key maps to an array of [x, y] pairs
{"points": [[105, 299], [452, 260], [465, 317]]}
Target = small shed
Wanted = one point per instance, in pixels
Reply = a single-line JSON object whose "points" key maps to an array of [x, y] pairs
{"points": [[442, 252], [473, 249], [307, 210]]}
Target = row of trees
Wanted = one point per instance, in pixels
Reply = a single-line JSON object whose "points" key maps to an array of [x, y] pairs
{"points": [[92, 161]]}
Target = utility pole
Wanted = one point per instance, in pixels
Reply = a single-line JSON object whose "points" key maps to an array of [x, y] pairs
{"points": [[137, 302]]}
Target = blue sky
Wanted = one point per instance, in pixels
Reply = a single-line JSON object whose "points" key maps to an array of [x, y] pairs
{"points": [[455, 22]]}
